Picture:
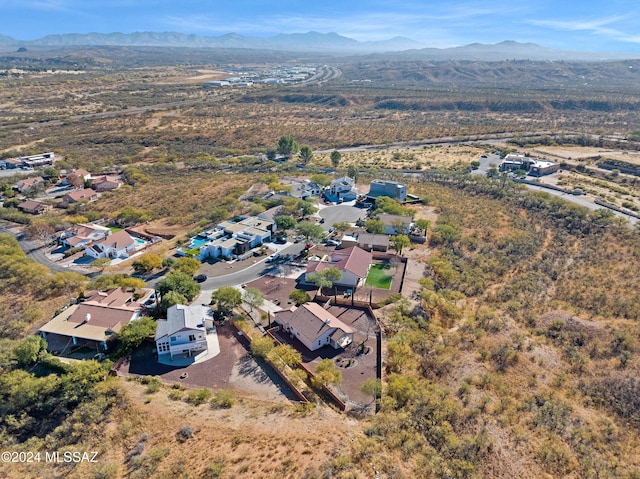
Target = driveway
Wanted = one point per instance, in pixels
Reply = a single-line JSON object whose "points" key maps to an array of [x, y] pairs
{"points": [[340, 213]]}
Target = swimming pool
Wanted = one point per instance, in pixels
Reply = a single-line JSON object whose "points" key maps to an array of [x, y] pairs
{"points": [[195, 242], [139, 241]]}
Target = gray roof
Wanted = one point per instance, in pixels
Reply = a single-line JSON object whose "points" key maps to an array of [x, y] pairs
{"points": [[181, 317]]}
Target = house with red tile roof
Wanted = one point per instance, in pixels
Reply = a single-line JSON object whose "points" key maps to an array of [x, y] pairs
{"points": [[352, 262], [25, 185], [315, 327], [86, 194], [83, 234], [117, 245], [33, 207], [105, 183]]}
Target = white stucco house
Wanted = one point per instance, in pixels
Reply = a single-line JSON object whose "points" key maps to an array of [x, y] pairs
{"points": [[117, 245], [184, 332], [342, 189], [353, 263]]}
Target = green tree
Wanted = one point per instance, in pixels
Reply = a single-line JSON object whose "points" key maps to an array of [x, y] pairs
{"points": [[326, 373], [101, 263], [336, 156], [306, 154], [341, 226], [423, 225], [186, 265], [181, 283], [375, 226], [372, 387], [65, 283], [287, 146], [306, 207], [28, 350], [225, 299], [326, 278], [321, 179], [171, 299], [400, 242], [309, 230], [286, 355], [262, 346], [130, 216], [285, 222], [168, 262], [253, 297], [299, 297], [110, 281], [353, 171], [271, 154], [134, 332], [147, 263]]}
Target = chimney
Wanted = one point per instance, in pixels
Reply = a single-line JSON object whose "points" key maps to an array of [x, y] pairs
{"points": [[87, 318]]}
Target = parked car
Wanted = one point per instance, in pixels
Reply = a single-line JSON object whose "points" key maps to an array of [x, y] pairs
{"points": [[299, 238], [200, 278], [273, 257], [331, 242]]}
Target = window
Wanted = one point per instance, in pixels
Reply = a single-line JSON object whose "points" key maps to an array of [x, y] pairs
{"points": [[173, 339], [192, 337]]}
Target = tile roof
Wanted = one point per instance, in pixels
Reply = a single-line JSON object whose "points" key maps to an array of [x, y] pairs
{"points": [[354, 260], [80, 195], [312, 320], [118, 240]]}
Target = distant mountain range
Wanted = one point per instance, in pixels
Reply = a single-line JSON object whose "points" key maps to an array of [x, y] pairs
{"points": [[401, 48]]}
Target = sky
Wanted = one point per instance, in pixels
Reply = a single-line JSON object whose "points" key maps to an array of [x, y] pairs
{"points": [[583, 25]]}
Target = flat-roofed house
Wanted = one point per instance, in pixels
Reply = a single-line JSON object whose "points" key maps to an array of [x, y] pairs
{"points": [[373, 242], [183, 332], [392, 189], [96, 321], [315, 327]]}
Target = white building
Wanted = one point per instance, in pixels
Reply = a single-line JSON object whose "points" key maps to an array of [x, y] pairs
{"points": [[117, 245], [184, 331]]}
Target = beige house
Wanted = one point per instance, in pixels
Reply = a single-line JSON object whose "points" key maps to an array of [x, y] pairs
{"points": [[315, 327]]}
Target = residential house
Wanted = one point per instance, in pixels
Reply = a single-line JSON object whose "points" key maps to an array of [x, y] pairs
{"points": [[33, 207], [25, 185], [315, 327], [543, 167], [397, 191], [184, 331], [352, 262], [342, 189], [234, 238], [117, 245], [86, 194], [304, 188], [373, 242], [96, 321], [395, 224], [77, 177], [83, 234], [105, 183]]}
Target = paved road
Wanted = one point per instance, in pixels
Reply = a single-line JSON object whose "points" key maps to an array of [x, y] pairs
{"points": [[340, 213], [32, 249]]}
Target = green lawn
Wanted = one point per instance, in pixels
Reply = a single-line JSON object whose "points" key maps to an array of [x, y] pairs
{"points": [[115, 229], [378, 276]]}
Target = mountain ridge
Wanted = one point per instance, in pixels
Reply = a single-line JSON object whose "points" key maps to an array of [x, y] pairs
{"points": [[401, 47]]}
